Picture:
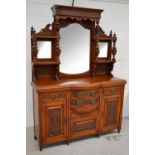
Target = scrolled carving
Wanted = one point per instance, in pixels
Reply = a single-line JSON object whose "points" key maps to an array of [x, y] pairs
{"points": [[85, 125], [55, 96], [113, 90], [111, 106], [99, 30], [47, 29], [85, 109], [105, 68], [85, 94], [55, 122], [84, 102], [65, 21]]}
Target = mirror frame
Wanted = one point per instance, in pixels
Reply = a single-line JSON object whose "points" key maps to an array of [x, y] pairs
{"points": [[45, 59], [109, 50], [46, 34], [74, 27], [63, 16]]}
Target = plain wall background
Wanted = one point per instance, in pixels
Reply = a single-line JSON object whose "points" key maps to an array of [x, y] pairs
{"points": [[115, 17]]}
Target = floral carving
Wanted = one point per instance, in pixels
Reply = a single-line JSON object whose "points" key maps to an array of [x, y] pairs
{"points": [[55, 121], [113, 90], [81, 126], [54, 96]]}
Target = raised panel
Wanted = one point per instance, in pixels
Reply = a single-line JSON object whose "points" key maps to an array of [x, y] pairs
{"points": [[55, 96], [112, 90], [111, 112], [54, 124], [55, 121], [83, 125]]}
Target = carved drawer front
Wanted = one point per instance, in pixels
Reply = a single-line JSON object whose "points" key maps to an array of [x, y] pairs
{"points": [[112, 90], [54, 96], [79, 126], [85, 105], [83, 102], [85, 94]]}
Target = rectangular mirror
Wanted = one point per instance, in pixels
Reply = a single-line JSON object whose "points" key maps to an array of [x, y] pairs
{"points": [[103, 48], [44, 49]]}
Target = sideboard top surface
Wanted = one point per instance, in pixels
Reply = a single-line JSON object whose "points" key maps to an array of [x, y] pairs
{"points": [[47, 84]]}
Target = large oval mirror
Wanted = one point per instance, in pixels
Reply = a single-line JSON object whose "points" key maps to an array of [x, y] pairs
{"points": [[75, 49]]}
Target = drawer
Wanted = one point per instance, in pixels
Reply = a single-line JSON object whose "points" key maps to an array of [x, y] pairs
{"points": [[84, 101], [54, 96], [112, 90], [84, 94]]}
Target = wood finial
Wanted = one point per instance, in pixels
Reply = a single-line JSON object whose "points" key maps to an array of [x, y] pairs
{"points": [[110, 33], [32, 30], [114, 37]]}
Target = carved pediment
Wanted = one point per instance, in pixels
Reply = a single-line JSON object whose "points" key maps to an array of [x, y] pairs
{"points": [[100, 32], [47, 31]]}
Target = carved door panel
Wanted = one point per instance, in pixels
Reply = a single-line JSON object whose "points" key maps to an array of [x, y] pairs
{"points": [[55, 122], [110, 112]]}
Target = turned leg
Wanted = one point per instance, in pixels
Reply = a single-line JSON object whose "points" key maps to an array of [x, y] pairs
{"points": [[119, 130], [98, 135], [35, 138], [67, 142], [40, 147]]}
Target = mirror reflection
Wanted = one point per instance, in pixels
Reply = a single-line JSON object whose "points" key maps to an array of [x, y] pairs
{"points": [[103, 48], [75, 50], [44, 49]]}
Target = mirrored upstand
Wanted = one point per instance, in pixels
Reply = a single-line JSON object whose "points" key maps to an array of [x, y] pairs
{"points": [[74, 91]]}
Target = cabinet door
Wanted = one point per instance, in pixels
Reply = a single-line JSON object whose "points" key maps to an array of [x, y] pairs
{"points": [[110, 112], [54, 121]]}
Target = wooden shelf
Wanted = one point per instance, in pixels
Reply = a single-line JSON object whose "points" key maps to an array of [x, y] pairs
{"points": [[46, 63], [104, 61]]}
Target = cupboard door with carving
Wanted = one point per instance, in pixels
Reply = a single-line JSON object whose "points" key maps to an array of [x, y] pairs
{"points": [[111, 112], [55, 125]]}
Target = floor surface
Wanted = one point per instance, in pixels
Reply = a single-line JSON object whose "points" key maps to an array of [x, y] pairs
{"points": [[109, 144]]}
